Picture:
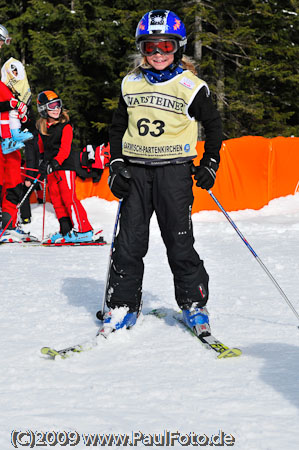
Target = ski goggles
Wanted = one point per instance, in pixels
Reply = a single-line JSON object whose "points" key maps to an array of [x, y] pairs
{"points": [[54, 104], [6, 40], [162, 46]]}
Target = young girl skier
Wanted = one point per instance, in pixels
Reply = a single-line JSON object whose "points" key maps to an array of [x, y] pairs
{"points": [[153, 136], [57, 164]]}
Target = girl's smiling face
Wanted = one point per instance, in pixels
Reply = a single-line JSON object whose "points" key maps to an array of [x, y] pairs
{"points": [[160, 62], [54, 113]]}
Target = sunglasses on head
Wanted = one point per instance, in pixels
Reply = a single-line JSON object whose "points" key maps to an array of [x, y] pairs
{"points": [[162, 46], [54, 104]]}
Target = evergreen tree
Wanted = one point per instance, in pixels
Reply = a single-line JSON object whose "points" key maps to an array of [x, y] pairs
{"points": [[249, 57], [247, 51]]}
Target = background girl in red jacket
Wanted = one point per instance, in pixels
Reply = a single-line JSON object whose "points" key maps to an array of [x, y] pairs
{"points": [[58, 165]]}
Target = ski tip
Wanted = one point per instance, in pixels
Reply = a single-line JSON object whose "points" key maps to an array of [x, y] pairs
{"points": [[44, 350], [48, 351], [230, 353]]}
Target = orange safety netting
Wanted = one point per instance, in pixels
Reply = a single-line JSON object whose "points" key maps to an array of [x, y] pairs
{"points": [[253, 171]]}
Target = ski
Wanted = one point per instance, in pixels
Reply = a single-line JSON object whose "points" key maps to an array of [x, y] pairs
{"points": [[208, 342], [100, 241], [64, 244], [88, 345], [68, 351], [97, 240], [27, 240], [30, 240]]}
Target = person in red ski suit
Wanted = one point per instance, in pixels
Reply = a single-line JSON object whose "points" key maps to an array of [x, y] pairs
{"points": [[58, 165], [10, 164]]}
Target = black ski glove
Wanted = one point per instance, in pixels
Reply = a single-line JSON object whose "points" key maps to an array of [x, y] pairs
{"points": [[47, 167], [119, 179], [52, 166], [205, 173]]}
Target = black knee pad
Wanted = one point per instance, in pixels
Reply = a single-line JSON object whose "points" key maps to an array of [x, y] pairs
{"points": [[14, 195], [6, 217]]}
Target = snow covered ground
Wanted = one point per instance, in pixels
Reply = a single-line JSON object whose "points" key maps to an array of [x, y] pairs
{"points": [[155, 379]]}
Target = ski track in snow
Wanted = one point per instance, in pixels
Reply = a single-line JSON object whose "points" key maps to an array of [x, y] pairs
{"points": [[156, 376]]}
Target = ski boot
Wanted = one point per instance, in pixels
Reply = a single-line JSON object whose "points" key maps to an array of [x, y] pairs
{"points": [[10, 236], [117, 318], [26, 220], [53, 238], [74, 237], [8, 145], [21, 136], [16, 235], [197, 319]]}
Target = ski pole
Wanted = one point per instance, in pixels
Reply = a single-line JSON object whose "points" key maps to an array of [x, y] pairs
{"points": [[28, 168], [100, 313], [254, 254], [125, 173], [33, 178], [19, 205], [44, 207]]}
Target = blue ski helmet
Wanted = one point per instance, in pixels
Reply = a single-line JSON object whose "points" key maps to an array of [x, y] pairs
{"points": [[162, 22]]}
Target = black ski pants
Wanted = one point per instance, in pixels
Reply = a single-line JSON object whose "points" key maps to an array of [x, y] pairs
{"points": [[167, 190]]}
